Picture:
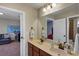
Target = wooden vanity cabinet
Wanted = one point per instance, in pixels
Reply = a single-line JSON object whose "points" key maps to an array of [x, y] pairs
{"points": [[30, 49], [34, 51]]}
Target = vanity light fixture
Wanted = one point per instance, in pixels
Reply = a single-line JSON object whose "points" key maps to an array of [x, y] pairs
{"points": [[1, 13], [78, 22], [53, 4], [48, 7], [44, 9]]}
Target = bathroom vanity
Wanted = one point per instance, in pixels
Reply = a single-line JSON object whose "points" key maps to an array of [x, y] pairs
{"points": [[35, 48], [35, 51], [61, 26]]}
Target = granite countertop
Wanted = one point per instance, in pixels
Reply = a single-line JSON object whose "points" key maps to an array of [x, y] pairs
{"points": [[45, 46]]}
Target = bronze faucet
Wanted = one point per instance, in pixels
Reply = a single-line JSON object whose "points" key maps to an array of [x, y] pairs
{"points": [[61, 46]]}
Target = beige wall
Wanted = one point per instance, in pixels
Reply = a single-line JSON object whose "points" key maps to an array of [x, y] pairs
{"points": [[4, 24], [31, 13]]}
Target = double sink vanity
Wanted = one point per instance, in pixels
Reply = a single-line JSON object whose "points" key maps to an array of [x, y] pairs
{"points": [[36, 48]]}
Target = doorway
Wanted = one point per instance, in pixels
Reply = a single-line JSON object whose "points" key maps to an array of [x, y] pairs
{"points": [[22, 29], [50, 29], [72, 28], [73, 32], [59, 28]]}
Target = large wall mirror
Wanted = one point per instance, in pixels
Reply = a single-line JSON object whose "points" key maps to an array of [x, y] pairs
{"points": [[64, 27], [55, 29]]}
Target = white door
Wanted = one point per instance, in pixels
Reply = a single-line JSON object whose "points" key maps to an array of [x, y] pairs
{"points": [[22, 35], [59, 29]]}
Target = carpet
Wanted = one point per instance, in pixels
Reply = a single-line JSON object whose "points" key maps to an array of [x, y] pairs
{"points": [[11, 49]]}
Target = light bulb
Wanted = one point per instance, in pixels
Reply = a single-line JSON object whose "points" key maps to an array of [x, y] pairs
{"points": [[1, 13], [44, 9], [53, 4], [78, 22], [48, 7]]}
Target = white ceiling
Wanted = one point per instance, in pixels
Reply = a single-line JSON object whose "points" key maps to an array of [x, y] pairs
{"points": [[8, 14], [35, 5], [65, 12], [11, 15]]}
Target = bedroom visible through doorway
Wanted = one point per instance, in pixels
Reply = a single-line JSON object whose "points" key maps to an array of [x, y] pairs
{"points": [[9, 33]]}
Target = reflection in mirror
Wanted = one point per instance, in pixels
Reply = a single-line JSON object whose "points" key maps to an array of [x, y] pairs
{"points": [[46, 27], [50, 29], [76, 42], [72, 28], [74, 33], [64, 27]]}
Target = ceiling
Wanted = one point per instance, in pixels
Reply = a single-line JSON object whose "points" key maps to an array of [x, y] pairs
{"points": [[65, 12], [9, 15], [36, 5]]}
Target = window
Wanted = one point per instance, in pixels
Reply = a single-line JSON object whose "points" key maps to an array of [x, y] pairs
{"points": [[13, 28]]}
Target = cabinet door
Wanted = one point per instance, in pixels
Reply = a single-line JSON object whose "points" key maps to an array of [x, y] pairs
{"points": [[42, 53], [29, 49], [35, 51]]}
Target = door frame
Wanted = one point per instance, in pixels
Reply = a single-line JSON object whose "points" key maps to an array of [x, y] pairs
{"points": [[77, 15], [23, 32]]}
